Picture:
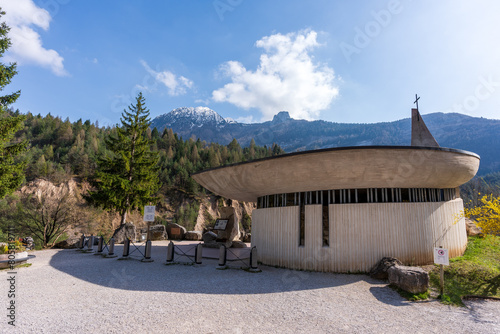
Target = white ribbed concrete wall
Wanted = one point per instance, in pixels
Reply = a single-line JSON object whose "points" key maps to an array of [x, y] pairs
{"points": [[360, 234]]}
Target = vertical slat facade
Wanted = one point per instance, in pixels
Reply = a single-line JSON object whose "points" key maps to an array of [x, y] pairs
{"points": [[360, 234]]}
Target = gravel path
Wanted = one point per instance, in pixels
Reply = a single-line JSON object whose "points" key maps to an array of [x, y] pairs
{"points": [[65, 291]]}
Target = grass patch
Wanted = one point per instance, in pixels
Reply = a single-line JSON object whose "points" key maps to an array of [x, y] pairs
{"points": [[23, 265], [477, 272], [411, 296]]}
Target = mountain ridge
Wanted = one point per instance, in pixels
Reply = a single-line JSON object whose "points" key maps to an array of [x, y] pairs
{"points": [[453, 130]]}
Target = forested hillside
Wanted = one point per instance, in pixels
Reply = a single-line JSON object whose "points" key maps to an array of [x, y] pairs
{"points": [[60, 149], [62, 152]]}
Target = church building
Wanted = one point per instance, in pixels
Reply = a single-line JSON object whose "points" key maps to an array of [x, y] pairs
{"points": [[342, 209]]}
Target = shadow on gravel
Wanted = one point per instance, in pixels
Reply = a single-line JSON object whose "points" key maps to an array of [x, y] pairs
{"points": [[203, 278], [387, 295]]}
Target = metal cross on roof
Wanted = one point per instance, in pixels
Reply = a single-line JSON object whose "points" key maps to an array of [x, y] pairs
{"points": [[416, 100]]}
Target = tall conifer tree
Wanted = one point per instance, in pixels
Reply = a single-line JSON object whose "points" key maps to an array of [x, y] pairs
{"points": [[128, 179], [11, 173]]}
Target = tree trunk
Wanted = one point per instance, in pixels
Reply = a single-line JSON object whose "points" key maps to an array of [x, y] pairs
{"points": [[124, 217]]}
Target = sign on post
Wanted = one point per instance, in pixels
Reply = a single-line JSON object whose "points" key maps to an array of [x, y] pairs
{"points": [[149, 213], [441, 256], [221, 224]]}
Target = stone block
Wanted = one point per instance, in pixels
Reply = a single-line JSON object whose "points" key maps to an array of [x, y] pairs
{"points": [[411, 279], [193, 235], [176, 231]]}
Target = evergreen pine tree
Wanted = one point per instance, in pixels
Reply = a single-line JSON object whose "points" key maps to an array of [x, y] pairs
{"points": [[11, 173], [128, 179]]}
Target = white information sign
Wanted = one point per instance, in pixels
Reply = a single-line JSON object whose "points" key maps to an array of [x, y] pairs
{"points": [[149, 213], [441, 256]]}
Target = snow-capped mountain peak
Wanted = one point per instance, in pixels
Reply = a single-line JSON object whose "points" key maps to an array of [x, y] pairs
{"points": [[192, 117], [229, 120]]}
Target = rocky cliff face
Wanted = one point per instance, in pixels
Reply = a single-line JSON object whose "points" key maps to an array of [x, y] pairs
{"points": [[41, 187]]}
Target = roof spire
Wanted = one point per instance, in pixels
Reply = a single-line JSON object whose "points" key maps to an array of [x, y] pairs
{"points": [[420, 134]]}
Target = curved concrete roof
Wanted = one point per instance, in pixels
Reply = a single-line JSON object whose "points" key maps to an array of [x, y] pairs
{"points": [[342, 168]]}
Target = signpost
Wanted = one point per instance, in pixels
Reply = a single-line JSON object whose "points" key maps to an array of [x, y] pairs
{"points": [[441, 257], [149, 216]]}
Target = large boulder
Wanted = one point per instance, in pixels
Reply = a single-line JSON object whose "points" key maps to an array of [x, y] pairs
{"points": [[158, 232], [471, 227], [123, 232], [209, 237], [379, 271], [238, 244], [411, 279], [68, 243], [176, 231], [248, 237], [193, 235], [231, 232]]}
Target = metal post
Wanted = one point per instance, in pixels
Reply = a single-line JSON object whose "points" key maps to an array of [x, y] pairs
{"points": [[170, 252], [90, 244], [222, 257], [441, 278], [147, 252], [198, 253], [111, 251], [147, 233], [82, 241], [253, 260], [99, 245], [126, 247]]}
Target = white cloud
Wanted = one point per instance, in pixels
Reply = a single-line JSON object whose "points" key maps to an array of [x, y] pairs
{"points": [[286, 79], [245, 119], [176, 85], [27, 47], [204, 101]]}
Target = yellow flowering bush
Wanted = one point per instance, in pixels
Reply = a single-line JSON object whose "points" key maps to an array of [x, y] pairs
{"points": [[486, 215]]}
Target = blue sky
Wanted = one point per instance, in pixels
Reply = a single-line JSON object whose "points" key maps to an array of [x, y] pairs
{"points": [[341, 61]]}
